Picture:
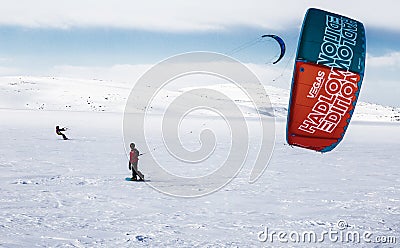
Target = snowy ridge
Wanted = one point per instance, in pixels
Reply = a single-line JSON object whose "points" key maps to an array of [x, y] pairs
{"points": [[49, 93], [65, 94]]}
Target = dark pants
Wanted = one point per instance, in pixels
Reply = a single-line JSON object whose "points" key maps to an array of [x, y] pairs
{"points": [[135, 171], [134, 168], [63, 135]]}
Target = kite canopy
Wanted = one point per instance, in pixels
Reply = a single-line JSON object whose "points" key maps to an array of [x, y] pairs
{"points": [[281, 44], [269, 37], [327, 77]]}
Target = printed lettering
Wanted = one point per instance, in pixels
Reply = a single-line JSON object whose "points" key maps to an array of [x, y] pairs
{"points": [[307, 127], [340, 37], [317, 85], [340, 86], [332, 105]]}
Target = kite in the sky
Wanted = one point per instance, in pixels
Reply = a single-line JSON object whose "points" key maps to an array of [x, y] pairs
{"points": [[328, 73], [266, 37], [281, 45]]}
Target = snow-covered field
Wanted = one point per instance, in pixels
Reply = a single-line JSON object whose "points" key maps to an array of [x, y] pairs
{"points": [[57, 193]]}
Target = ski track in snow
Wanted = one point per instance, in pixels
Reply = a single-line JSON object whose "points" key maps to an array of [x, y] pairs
{"points": [[57, 193]]}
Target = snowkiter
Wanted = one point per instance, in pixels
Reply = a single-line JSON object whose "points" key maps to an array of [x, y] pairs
{"points": [[133, 163], [58, 131]]}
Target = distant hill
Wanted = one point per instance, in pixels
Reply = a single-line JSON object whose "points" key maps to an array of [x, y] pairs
{"points": [[66, 94]]}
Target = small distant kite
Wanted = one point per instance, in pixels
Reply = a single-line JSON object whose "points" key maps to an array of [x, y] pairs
{"points": [[281, 44], [266, 37]]}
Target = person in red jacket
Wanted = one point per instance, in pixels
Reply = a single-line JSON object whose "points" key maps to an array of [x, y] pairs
{"points": [[133, 163], [58, 131]]}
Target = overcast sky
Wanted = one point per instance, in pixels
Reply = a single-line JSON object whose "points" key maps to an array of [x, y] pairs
{"points": [[48, 37]]}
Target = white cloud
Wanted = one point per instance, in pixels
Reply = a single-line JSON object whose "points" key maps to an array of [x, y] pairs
{"points": [[387, 60], [187, 15]]}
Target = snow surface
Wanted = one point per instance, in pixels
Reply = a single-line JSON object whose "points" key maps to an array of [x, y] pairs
{"points": [[57, 193]]}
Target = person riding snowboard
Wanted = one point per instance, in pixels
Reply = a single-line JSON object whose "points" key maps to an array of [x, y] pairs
{"points": [[133, 163], [58, 131]]}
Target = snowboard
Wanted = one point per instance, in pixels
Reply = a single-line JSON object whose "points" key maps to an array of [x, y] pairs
{"points": [[130, 179]]}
